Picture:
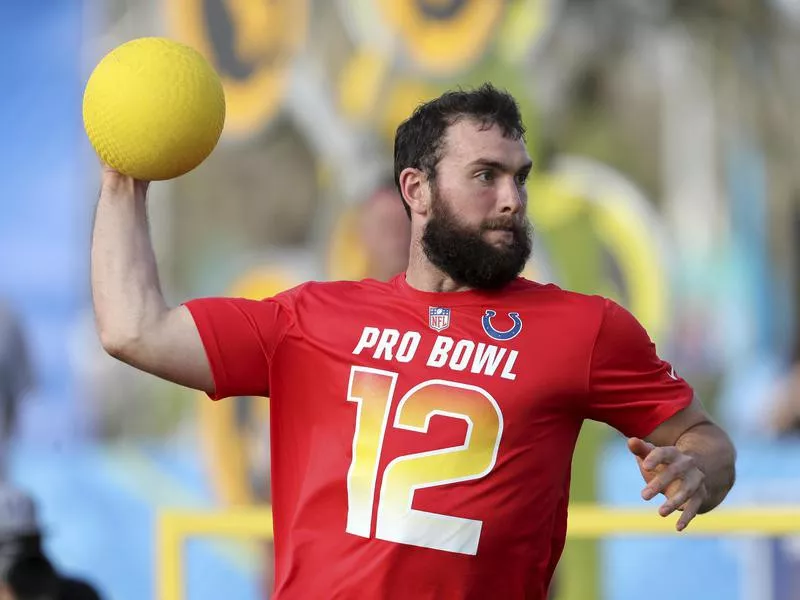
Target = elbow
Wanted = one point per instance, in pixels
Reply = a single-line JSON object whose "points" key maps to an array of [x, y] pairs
{"points": [[118, 343], [124, 336]]}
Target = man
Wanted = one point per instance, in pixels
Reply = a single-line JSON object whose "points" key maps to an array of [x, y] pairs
{"points": [[30, 578], [34, 578], [422, 428], [385, 233], [783, 406], [16, 379], [25, 571]]}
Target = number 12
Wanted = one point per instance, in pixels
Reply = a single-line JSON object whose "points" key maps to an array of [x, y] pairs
{"points": [[373, 390]]}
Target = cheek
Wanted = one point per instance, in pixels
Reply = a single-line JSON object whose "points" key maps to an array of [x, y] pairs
{"points": [[484, 207], [475, 198], [485, 197]]}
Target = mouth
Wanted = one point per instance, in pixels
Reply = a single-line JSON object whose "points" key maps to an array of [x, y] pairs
{"points": [[501, 235]]}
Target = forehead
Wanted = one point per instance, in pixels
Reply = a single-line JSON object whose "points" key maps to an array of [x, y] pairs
{"points": [[467, 140]]}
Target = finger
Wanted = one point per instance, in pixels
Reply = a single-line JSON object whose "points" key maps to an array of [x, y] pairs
{"points": [[665, 455], [691, 484], [661, 482], [639, 447], [689, 512]]}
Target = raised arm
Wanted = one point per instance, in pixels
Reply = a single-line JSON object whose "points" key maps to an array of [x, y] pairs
{"points": [[133, 320]]}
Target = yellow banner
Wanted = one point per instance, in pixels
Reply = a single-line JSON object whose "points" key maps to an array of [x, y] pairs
{"points": [[251, 43]]}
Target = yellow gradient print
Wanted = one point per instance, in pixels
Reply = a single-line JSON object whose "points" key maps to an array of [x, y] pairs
{"points": [[372, 390], [396, 520]]}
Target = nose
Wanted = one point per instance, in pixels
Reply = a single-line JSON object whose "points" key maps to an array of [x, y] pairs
{"points": [[512, 197]]}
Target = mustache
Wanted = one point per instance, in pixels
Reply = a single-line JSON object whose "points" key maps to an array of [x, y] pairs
{"points": [[505, 224]]}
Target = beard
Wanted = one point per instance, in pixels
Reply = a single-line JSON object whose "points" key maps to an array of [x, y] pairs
{"points": [[464, 255]]}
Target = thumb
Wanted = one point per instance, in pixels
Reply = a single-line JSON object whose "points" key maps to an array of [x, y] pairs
{"points": [[639, 447]]}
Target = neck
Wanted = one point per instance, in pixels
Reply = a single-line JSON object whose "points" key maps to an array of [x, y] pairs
{"points": [[424, 276]]}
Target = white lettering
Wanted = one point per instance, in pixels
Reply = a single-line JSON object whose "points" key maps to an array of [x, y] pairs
{"points": [[388, 340], [408, 346], [461, 355], [507, 374], [439, 352], [368, 338], [458, 355], [487, 358]]}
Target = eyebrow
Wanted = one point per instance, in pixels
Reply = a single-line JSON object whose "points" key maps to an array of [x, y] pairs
{"points": [[500, 166]]}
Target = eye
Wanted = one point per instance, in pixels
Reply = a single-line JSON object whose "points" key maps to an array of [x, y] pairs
{"points": [[485, 176], [522, 178]]}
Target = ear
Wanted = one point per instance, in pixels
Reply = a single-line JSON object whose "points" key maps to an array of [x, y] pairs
{"points": [[415, 190]]}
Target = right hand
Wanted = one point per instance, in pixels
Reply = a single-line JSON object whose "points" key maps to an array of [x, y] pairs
{"points": [[114, 181], [134, 322]]}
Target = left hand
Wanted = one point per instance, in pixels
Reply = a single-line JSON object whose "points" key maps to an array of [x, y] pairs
{"points": [[669, 471]]}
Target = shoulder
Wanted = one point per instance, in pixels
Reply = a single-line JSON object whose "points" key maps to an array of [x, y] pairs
{"points": [[311, 290], [331, 299], [550, 293], [76, 589], [589, 314]]}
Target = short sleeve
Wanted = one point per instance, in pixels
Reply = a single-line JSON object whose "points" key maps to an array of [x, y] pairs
{"points": [[630, 387], [240, 337]]}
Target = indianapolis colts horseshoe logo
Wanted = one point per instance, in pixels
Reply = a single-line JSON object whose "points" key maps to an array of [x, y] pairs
{"points": [[496, 334]]}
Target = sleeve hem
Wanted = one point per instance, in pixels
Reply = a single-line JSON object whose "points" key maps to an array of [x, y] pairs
{"points": [[644, 429], [212, 351]]}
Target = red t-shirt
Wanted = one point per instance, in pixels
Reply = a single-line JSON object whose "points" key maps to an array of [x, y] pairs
{"points": [[421, 442]]}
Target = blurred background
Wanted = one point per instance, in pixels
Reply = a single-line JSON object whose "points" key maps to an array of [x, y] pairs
{"points": [[665, 135]]}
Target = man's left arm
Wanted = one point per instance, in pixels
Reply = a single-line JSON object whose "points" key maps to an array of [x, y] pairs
{"points": [[682, 453], [689, 459]]}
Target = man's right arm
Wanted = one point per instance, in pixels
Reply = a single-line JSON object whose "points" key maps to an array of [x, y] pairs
{"points": [[134, 323]]}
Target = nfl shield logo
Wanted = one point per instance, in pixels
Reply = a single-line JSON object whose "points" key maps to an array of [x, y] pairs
{"points": [[438, 318]]}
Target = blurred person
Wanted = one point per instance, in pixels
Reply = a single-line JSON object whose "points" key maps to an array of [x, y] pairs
{"points": [[34, 578], [783, 415], [16, 379], [25, 570], [30, 578], [422, 429], [385, 233], [76, 589]]}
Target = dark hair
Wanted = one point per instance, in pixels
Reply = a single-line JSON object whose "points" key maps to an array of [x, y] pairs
{"points": [[418, 141], [33, 578]]}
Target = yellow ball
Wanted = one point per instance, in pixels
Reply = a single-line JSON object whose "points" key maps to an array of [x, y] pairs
{"points": [[153, 108]]}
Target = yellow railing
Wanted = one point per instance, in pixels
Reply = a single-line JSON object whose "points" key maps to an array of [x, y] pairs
{"points": [[584, 522]]}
